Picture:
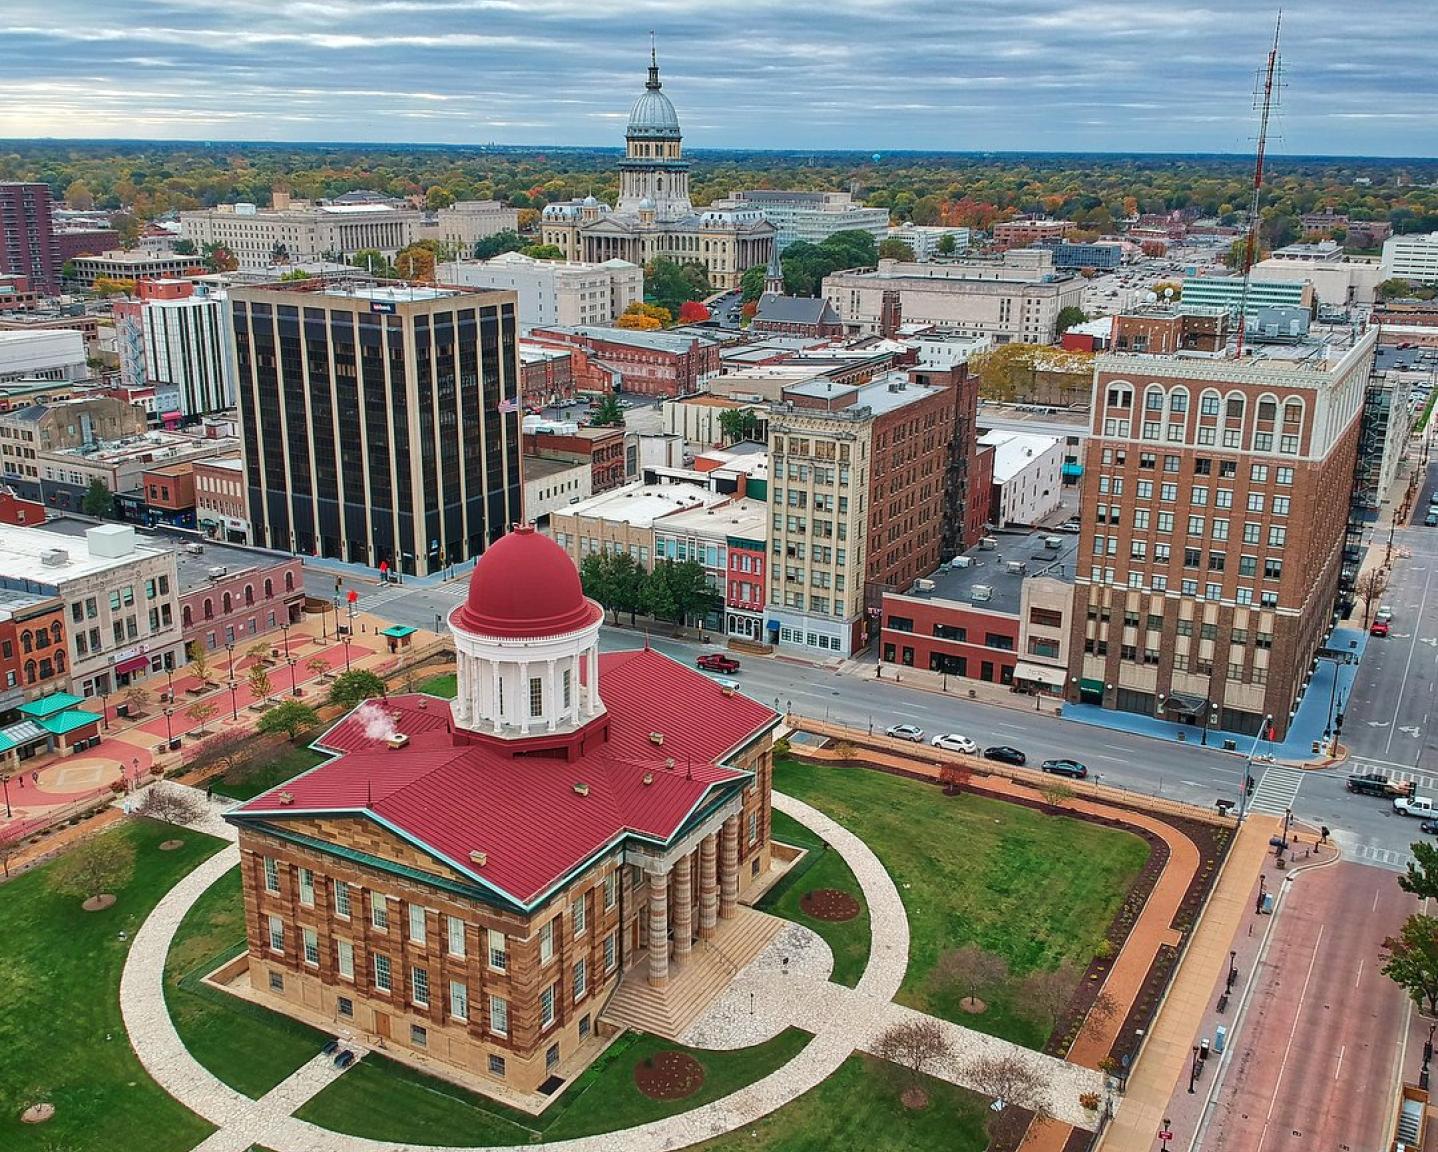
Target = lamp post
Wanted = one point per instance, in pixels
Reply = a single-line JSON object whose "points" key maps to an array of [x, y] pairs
{"points": [[135, 764], [230, 648], [169, 733], [1232, 968], [285, 631], [1248, 767], [1209, 714], [170, 683], [1193, 1070], [294, 691], [347, 653], [1164, 1134], [5, 780], [105, 704], [234, 707]]}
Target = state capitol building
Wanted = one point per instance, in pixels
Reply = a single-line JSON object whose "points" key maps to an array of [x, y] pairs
{"points": [[654, 217]]}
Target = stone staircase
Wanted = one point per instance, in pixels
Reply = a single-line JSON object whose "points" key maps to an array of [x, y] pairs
{"points": [[693, 986]]}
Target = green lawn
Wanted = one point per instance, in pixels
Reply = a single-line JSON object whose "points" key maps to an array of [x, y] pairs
{"points": [[267, 771], [61, 1037], [210, 1021], [1032, 888], [821, 867], [383, 1100], [446, 685], [858, 1107]]}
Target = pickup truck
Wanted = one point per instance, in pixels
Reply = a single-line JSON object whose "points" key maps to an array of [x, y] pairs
{"points": [[1376, 784], [717, 662], [1415, 806]]}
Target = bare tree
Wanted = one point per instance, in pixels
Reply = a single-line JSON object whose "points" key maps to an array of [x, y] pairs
{"points": [[317, 666], [1047, 992], [9, 849], [230, 751], [915, 1044], [972, 971], [173, 805], [1370, 586], [201, 712], [1018, 1094], [93, 867], [137, 698]]}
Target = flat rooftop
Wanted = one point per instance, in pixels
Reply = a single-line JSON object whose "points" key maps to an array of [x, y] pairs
{"points": [[745, 518], [193, 571], [988, 568], [13, 601], [21, 549], [657, 341], [543, 467], [639, 505]]}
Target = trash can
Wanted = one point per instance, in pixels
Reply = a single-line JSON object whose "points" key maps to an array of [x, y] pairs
{"points": [[1220, 1037], [1268, 903]]}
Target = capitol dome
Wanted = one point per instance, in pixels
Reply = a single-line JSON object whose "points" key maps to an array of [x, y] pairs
{"points": [[652, 117], [525, 585]]}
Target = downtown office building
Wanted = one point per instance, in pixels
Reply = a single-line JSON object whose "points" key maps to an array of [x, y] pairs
{"points": [[380, 423]]}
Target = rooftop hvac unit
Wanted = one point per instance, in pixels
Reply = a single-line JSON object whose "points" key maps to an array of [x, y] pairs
{"points": [[54, 557], [194, 549], [963, 561], [398, 740], [218, 570], [1053, 543], [981, 592], [1016, 567], [989, 543], [923, 585]]}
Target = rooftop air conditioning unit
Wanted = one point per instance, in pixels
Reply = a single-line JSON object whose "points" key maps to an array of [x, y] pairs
{"points": [[981, 592], [54, 557], [479, 858], [923, 585], [963, 562], [1016, 567], [218, 570], [989, 543], [195, 549], [1053, 543]]}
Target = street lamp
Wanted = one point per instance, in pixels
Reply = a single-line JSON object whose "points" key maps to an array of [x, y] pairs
{"points": [[5, 780], [1209, 714], [1163, 1135], [135, 764], [347, 653], [230, 648], [294, 691], [1193, 1070], [285, 629], [234, 708], [105, 703], [169, 733], [1232, 968], [170, 683]]}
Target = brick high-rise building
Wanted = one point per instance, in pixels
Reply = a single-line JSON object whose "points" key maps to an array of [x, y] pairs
{"points": [[1215, 500], [27, 235]]}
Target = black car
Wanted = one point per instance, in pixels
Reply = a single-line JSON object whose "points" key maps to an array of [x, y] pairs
{"points": [[1430, 827], [1005, 755], [1066, 768]]}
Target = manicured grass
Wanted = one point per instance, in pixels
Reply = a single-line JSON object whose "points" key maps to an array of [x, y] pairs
{"points": [[858, 1107], [248, 1047], [446, 685], [1032, 888], [821, 867], [61, 1036], [267, 771], [383, 1100]]}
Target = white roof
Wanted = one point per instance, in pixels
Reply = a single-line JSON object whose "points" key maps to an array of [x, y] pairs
{"points": [[1015, 451], [746, 518], [355, 209], [639, 505], [21, 548]]}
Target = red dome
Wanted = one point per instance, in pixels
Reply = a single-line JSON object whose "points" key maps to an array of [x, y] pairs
{"points": [[525, 585]]}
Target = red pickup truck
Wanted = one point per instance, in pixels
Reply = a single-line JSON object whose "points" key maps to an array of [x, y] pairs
{"points": [[718, 662]]}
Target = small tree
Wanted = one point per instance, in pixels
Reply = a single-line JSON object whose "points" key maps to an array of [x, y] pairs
{"points": [[317, 666], [954, 778], [1370, 587], [1055, 794], [93, 867], [9, 849], [259, 651], [290, 717], [99, 502], [171, 804], [259, 680], [199, 658], [201, 712], [693, 312], [1422, 876], [946, 245], [1068, 317], [972, 971], [138, 699], [893, 248], [915, 1044], [1047, 992], [1411, 961], [350, 688], [608, 414], [1018, 1090], [738, 424], [230, 751]]}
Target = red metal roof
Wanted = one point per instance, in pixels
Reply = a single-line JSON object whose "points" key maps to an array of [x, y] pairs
{"points": [[522, 811], [525, 585]]}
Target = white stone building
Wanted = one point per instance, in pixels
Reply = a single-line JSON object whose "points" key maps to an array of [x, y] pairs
{"points": [[553, 292], [1028, 480], [187, 345], [1411, 257]]}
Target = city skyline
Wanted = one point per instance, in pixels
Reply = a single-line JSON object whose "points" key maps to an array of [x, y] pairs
{"points": [[1038, 75]]}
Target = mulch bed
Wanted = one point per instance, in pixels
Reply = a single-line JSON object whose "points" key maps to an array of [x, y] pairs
{"points": [[829, 904], [669, 1076], [98, 903], [171, 845]]}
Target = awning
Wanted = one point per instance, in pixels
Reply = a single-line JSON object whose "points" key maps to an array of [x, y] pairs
{"points": [[1039, 674], [1186, 703], [1087, 685], [133, 664]]}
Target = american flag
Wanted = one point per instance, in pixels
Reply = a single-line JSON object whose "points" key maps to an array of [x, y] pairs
{"points": [[509, 405]]}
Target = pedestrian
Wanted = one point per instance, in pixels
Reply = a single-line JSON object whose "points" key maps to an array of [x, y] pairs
{"points": [[35, 777], [21, 778], [1324, 830]]}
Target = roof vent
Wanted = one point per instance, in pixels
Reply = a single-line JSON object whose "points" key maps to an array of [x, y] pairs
{"points": [[581, 788], [669, 764], [286, 798], [423, 702], [479, 858], [398, 740], [54, 557], [648, 778], [656, 738]]}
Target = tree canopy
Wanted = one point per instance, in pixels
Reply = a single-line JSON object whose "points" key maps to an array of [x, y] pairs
{"points": [[671, 285], [352, 687], [507, 240], [608, 414], [99, 501], [674, 591], [290, 717]]}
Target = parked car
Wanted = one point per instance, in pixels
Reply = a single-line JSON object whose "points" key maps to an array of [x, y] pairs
{"points": [[1377, 784], [1380, 628], [905, 732], [1066, 767], [1073, 527], [1385, 614], [1431, 520], [1005, 755], [717, 662], [954, 742], [1430, 827], [1415, 806]]}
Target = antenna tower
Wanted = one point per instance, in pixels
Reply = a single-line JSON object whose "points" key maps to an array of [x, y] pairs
{"points": [[1250, 246]]}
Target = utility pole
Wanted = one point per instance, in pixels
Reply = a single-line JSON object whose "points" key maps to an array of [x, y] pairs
{"points": [[1251, 241]]}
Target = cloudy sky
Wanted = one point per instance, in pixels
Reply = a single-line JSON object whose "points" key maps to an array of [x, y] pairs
{"points": [[1360, 77]]}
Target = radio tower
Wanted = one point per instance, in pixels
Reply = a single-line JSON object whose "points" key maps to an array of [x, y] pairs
{"points": [[1251, 245]]}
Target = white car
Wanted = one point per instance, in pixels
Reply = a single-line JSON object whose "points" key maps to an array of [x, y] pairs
{"points": [[953, 742], [1384, 615], [905, 732]]}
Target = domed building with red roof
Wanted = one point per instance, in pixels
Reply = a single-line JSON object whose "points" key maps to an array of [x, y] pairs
{"points": [[496, 884]]}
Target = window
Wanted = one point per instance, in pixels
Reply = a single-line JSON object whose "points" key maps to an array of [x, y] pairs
{"points": [[419, 1035], [1268, 599], [1223, 498], [1283, 476], [1258, 473], [1288, 445], [307, 887], [277, 982], [1153, 400], [419, 986], [381, 972], [1277, 535], [1185, 627], [1140, 518], [752, 828], [272, 874], [379, 911], [581, 979], [458, 1000], [546, 1007], [498, 954], [1168, 493], [454, 935], [551, 1058], [1198, 495], [345, 1006], [1263, 640], [1215, 561], [1220, 529], [496, 1065], [546, 942], [1247, 565], [1272, 569], [1255, 501], [277, 934], [342, 900], [1250, 532], [577, 916], [585, 1027], [568, 687], [416, 924], [1235, 408], [536, 696], [1195, 525], [345, 958], [312, 947], [1165, 522], [1267, 410], [1208, 631], [611, 951], [1280, 505], [611, 890], [499, 1015], [1147, 460], [1213, 591]]}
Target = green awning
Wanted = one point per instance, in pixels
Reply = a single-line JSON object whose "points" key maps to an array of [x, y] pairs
{"points": [[49, 705], [68, 721], [1087, 685], [398, 631]]}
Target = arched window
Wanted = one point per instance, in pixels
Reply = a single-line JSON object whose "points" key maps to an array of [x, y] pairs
{"points": [[209, 609], [1208, 403], [289, 581], [29, 671], [269, 588], [1178, 400], [228, 603], [1293, 411], [185, 615], [56, 632], [249, 595], [26, 642], [60, 660]]}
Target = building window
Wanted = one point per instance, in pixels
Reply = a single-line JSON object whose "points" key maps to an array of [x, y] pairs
{"points": [[499, 1015], [586, 1026], [272, 874], [577, 916], [455, 936], [382, 972], [379, 911], [277, 982], [459, 1000], [536, 696], [419, 986], [416, 924], [551, 1058], [312, 947], [581, 979], [611, 890], [418, 1035], [752, 827], [342, 900], [498, 953], [344, 1006], [307, 887], [345, 958], [546, 942], [277, 934], [611, 951], [546, 1007], [496, 1065]]}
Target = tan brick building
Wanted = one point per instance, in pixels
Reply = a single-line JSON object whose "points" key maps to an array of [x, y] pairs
{"points": [[1215, 500], [468, 882]]}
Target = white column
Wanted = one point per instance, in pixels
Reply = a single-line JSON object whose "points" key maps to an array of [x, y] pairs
{"points": [[553, 707], [465, 696], [593, 695], [494, 696], [576, 691], [523, 701]]}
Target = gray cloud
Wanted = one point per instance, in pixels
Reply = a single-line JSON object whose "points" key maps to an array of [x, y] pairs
{"points": [[866, 74]]}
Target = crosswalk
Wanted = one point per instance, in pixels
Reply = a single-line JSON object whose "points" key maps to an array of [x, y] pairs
{"points": [[1276, 790], [1355, 850], [372, 600]]}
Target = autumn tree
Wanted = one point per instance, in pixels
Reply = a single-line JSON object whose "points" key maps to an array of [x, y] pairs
{"points": [[93, 867], [317, 666], [137, 699], [79, 197], [201, 712], [171, 804], [259, 680], [199, 658], [640, 310], [218, 258], [638, 323], [1018, 1090], [1410, 960], [972, 971], [693, 312], [230, 751], [415, 263], [1370, 587]]}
